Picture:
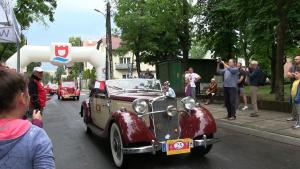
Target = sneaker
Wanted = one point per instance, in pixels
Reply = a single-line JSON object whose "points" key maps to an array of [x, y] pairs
{"points": [[245, 108], [291, 119], [253, 115], [296, 126]]}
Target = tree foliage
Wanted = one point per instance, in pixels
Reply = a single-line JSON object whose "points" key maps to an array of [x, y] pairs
{"points": [[155, 30], [266, 30], [77, 68], [27, 12]]}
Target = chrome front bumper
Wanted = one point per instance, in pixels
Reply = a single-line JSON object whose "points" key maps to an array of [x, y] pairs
{"points": [[158, 146]]}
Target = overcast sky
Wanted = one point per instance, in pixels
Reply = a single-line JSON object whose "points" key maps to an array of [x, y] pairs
{"points": [[72, 18]]}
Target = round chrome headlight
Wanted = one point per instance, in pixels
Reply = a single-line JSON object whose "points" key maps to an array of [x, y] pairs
{"points": [[140, 106], [189, 103], [171, 111]]}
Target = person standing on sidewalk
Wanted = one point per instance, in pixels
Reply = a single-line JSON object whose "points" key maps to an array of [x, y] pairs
{"points": [[231, 75], [295, 94], [191, 78], [254, 80], [291, 76], [36, 91], [241, 84]]}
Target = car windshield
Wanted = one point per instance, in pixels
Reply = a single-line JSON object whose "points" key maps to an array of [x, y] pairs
{"points": [[133, 85], [68, 84]]}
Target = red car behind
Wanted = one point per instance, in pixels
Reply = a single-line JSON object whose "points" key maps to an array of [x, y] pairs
{"points": [[68, 89]]}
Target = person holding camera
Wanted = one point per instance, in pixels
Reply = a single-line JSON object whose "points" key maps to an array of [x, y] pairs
{"points": [[231, 76], [23, 145]]}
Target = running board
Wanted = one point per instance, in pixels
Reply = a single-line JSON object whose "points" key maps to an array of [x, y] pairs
{"points": [[96, 130]]}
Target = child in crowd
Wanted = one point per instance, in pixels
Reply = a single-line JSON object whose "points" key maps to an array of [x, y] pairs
{"points": [[295, 93]]}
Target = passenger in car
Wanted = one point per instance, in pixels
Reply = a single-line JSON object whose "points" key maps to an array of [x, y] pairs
{"points": [[168, 90]]}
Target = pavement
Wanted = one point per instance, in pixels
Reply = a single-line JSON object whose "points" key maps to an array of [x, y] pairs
{"points": [[269, 124]]}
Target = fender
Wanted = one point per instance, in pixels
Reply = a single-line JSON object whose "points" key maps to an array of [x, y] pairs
{"points": [[133, 129], [200, 121]]}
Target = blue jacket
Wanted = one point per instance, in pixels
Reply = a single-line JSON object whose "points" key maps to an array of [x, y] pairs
{"points": [[24, 146], [231, 76]]}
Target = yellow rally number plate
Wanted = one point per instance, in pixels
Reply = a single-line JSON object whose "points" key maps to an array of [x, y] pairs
{"points": [[179, 146]]}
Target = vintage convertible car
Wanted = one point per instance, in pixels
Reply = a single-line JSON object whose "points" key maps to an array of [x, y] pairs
{"points": [[136, 117], [67, 89]]}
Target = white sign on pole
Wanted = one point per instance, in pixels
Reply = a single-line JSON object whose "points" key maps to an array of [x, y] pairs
{"points": [[7, 34], [10, 30]]}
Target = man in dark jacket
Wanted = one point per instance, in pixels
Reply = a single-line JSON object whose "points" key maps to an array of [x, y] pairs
{"points": [[254, 80], [36, 90]]}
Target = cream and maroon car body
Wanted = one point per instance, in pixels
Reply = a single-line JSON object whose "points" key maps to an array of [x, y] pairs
{"points": [[110, 112]]}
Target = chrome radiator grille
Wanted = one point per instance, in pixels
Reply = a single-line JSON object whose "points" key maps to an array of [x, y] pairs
{"points": [[165, 125]]}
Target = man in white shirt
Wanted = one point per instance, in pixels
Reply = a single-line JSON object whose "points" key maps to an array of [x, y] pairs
{"points": [[190, 79]]}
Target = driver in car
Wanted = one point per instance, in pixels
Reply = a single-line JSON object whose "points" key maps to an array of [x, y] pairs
{"points": [[168, 91]]}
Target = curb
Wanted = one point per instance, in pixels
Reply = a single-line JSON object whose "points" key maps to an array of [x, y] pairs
{"points": [[259, 133]]}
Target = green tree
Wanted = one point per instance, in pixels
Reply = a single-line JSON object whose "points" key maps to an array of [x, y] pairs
{"points": [[155, 30], [265, 30], [77, 68], [198, 50], [31, 66], [27, 12], [59, 71]]}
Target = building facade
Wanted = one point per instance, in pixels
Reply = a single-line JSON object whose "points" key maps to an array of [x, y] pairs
{"points": [[124, 66]]}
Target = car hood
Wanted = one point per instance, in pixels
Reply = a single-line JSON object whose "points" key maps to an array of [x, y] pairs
{"points": [[132, 96]]}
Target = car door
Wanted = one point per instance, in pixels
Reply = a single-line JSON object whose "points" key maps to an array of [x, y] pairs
{"points": [[100, 109]]}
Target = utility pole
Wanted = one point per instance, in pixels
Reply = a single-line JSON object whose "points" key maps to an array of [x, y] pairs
{"points": [[108, 39]]}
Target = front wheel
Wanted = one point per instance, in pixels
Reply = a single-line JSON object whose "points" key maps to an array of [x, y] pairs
{"points": [[116, 145]]}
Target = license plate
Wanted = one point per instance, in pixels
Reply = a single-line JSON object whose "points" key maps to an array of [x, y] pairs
{"points": [[178, 146]]}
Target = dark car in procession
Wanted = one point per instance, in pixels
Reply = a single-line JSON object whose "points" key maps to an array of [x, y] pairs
{"points": [[136, 117]]}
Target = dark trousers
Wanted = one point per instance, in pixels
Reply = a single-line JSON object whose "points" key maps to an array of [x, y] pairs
{"points": [[230, 94]]}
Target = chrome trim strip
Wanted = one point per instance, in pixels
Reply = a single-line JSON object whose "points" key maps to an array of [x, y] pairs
{"points": [[153, 112], [205, 142]]}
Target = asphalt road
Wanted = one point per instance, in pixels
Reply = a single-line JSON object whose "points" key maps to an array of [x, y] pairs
{"points": [[74, 149]]}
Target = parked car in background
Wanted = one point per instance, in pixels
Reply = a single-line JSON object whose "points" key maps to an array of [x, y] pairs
{"points": [[67, 90], [136, 117]]}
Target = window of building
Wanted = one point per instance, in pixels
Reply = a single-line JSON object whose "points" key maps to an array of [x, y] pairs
{"points": [[124, 60], [126, 76]]}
